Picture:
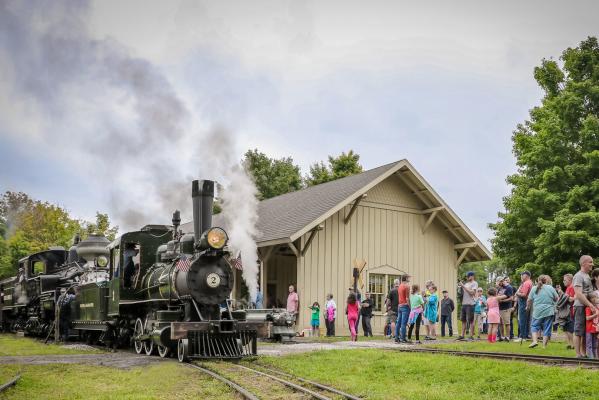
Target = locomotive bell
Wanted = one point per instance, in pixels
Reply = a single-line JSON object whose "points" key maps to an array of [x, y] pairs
{"points": [[92, 247]]}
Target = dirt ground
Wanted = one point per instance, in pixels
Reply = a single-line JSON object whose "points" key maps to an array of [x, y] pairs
{"points": [[118, 360]]}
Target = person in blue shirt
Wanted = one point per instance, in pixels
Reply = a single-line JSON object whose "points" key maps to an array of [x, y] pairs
{"points": [[480, 310], [542, 298]]}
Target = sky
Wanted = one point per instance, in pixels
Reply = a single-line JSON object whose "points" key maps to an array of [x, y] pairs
{"points": [[112, 106]]}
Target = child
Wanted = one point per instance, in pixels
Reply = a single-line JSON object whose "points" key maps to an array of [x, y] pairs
{"points": [[315, 319], [430, 313], [591, 327], [352, 315], [480, 303], [493, 317], [416, 303]]}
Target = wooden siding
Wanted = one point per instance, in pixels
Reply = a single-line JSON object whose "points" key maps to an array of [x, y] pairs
{"points": [[382, 232]]}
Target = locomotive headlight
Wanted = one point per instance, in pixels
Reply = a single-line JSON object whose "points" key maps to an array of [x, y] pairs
{"points": [[216, 238], [102, 261]]}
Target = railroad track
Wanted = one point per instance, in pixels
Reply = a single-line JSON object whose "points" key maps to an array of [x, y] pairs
{"points": [[10, 383], [553, 360], [280, 377]]}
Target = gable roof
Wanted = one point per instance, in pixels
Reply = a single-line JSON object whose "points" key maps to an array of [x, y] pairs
{"points": [[287, 217]]}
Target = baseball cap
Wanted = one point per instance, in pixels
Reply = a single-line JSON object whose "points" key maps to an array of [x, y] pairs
{"points": [[470, 273]]}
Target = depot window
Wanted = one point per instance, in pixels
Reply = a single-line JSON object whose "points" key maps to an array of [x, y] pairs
{"points": [[379, 286]]}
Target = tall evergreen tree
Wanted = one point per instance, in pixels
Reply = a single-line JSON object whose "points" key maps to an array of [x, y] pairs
{"points": [[552, 213]]}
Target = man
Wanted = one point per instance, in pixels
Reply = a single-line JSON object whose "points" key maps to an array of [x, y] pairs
{"points": [[403, 309], [447, 307], [505, 308], [514, 308], [330, 315], [467, 315], [392, 305], [366, 311], [522, 296], [64, 303], [293, 302], [583, 286]]}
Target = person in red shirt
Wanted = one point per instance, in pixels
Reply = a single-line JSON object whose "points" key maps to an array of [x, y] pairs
{"points": [[592, 320], [569, 326], [403, 309], [523, 314]]}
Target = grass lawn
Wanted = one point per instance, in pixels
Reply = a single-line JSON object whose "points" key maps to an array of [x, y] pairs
{"points": [[554, 348], [70, 381], [11, 345], [376, 374]]}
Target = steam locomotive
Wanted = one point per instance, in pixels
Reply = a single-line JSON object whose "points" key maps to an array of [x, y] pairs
{"points": [[155, 289]]}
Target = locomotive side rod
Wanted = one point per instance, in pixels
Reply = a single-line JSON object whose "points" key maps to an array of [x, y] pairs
{"points": [[245, 393]]}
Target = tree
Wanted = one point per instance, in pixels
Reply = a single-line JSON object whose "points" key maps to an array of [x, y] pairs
{"points": [[102, 227], [339, 167], [272, 177], [551, 215]]}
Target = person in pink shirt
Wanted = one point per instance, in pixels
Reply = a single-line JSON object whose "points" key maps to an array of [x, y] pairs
{"points": [[523, 314], [292, 302], [352, 315]]}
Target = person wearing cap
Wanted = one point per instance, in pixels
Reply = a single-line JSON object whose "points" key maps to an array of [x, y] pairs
{"points": [[467, 314], [447, 307], [505, 308], [523, 315]]}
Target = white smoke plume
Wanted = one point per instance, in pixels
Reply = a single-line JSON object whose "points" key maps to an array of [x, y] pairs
{"points": [[117, 120], [239, 203]]}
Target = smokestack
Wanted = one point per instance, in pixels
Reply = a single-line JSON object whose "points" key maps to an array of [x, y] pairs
{"points": [[202, 193]]}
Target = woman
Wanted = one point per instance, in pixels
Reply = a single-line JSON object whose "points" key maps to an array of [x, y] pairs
{"points": [[430, 313], [543, 299], [595, 281], [351, 310]]}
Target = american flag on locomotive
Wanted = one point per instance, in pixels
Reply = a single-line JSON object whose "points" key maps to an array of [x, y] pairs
{"points": [[183, 264]]}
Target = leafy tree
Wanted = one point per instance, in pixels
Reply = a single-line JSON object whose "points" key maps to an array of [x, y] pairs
{"points": [[28, 226], [102, 227], [339, 167], [551, 215], [272, 176]]}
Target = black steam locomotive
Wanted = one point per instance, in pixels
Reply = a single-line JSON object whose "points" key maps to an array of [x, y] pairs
{"points": [[155, 289]]}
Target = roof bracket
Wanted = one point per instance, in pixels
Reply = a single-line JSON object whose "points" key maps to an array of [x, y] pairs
{"points": [[294, 249], [429, 221], [464, 245], [264, 258], [354, 207], [462, 256], [310, 238]]}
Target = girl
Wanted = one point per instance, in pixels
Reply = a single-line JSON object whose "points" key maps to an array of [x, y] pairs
{"points": [[492, 314], [430, 313], [351, 310], [591, 327], [315, 319], [480, 304], [416, 303]]}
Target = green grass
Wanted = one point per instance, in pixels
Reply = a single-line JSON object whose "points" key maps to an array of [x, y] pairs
{"points": [[11, 345], [69, 381], [554, 348], [376, 374]]}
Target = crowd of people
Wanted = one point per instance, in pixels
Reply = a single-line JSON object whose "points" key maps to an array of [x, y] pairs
{"points": [[539, 307]]}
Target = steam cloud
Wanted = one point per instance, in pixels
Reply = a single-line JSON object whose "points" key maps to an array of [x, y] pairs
{"points": [[118, 120]]}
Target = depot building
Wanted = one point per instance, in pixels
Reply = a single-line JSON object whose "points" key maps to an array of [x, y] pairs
{"points": [[387, 221]]}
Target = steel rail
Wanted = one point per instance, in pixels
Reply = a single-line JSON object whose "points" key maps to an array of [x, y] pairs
{"points": [[10, 383], [286, 383], [245, 393], [315, 384], [511, 356]]}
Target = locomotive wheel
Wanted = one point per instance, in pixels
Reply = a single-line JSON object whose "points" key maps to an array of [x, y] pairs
{"points": [[149, 347], [139, 329], [182, 350], [164, 351]]}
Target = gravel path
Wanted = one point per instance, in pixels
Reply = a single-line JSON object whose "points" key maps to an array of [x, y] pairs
{"points": [[275, 349], [117, 360]]}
